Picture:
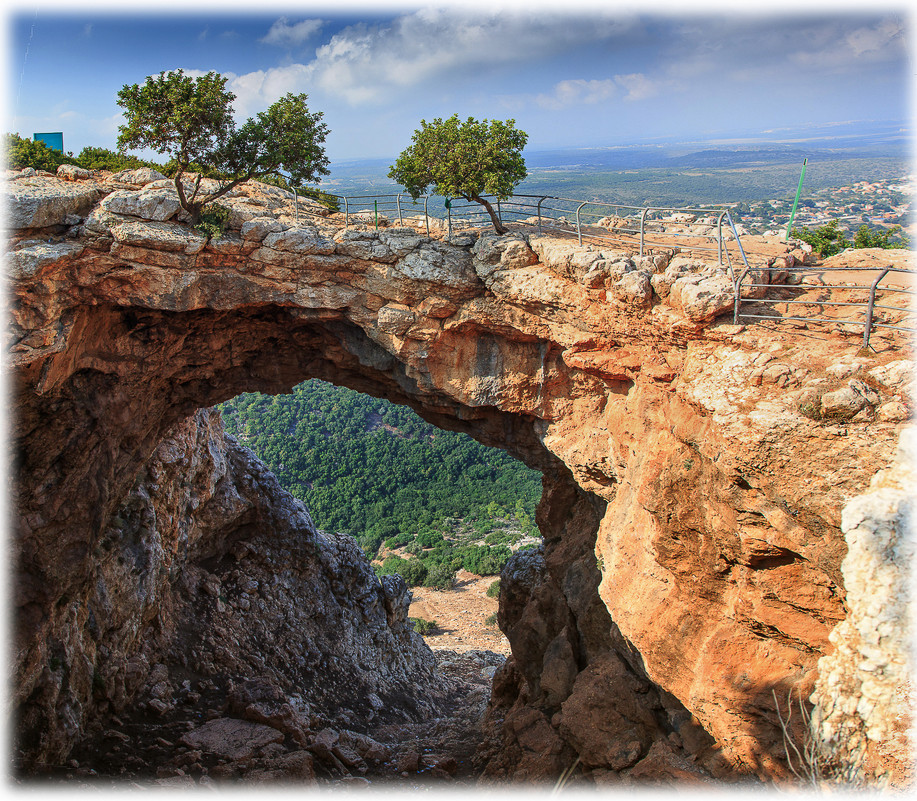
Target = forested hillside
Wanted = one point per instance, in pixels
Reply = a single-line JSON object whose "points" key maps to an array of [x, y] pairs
{"points": [[380, 473]]}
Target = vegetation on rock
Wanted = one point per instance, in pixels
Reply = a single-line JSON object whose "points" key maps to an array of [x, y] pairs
{"points": [[190, 121], [464, 159]]}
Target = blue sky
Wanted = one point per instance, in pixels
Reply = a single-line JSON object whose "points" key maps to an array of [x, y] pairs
{"points": [[592, 75]]}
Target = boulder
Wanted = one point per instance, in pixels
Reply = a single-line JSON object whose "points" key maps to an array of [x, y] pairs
{"points": [[139, 177], [40, 202], [70, 172], [634, 288], [702, 298], [159, 236], [231, 738], [156, 203]]}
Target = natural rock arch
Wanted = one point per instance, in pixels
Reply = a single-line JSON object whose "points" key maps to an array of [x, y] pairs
{"points": [[715, 501]]}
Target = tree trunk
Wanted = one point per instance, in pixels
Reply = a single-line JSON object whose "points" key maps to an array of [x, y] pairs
{"points": [[498, 226]]}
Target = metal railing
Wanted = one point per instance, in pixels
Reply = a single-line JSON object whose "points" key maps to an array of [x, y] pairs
{"points": [[708, 229], [644, 228], [869, 320]]}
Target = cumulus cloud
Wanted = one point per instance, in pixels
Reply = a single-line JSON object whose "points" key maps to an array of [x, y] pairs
{"points": [[283, 34], [577, 92], [255, 91], [638, 86], [362, 62]]}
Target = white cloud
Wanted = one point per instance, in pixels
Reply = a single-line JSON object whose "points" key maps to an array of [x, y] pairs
{"points": [[255, 91], [889, 33], [577, 92], [638, 86], [283, 34], [364, 62]]}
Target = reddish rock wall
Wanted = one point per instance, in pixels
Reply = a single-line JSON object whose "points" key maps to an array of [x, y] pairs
{"points": [[683, 478]]}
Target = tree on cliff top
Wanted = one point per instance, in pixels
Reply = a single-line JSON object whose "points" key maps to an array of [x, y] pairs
{"points": [[464, 159], [190, 120]]}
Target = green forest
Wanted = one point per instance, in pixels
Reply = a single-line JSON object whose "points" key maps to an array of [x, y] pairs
{"points": [[380, 473]]}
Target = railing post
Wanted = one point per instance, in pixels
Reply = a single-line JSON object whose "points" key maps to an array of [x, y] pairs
{"points": [[296, 203], [579, 227], [398, 202], [736, 235], [346, 212], [643, 228], [540, 201], [719, 237], [869, 308], [738, 297], [426, 215]]}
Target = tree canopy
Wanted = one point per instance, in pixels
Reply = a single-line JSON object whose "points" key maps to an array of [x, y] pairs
{"points": [[464, 159], [190, 121]]}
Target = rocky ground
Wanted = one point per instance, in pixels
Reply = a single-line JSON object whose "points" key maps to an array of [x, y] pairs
{"points": [[215, 738], [465, 615]]}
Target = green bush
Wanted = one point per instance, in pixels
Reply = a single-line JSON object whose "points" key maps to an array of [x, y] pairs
{"points": [[422, 626], [101, 158], [22, 153], [890, 239], [491, 620], [493, 591], [429, 539], [485, 561], [827, 240], [214, 219], [413, 571], [397, 541], [440, 577]]}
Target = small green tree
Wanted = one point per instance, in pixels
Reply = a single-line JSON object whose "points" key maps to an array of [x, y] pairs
{"points": [[827, 240], [464, 159], [190, 121], [890, 239]]}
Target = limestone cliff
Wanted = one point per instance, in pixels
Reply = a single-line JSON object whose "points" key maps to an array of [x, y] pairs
{"points": [[691, 512]]}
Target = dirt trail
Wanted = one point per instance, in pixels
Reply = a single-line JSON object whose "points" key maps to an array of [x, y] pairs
{"points": [[460, 614]]}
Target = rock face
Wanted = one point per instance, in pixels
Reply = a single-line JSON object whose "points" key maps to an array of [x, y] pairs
{"points": [[863, 685], [201, 574], [692, 504]]}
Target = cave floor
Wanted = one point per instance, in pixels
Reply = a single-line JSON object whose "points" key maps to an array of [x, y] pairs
{"points": [[142, 749]]}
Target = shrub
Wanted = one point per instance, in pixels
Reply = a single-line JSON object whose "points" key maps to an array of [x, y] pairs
{"points": [[440, 577], [413, 571], [101, 158], [22, 153], [827, 240], [493, 591], [429, 539], [491, 620], [422, 626], [890, 239], [485, 561], [214, 219]]}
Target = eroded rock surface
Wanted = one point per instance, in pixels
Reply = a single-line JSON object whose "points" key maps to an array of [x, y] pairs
{"points": [[693, 486]]}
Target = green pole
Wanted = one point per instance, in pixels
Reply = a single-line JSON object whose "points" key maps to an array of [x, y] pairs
{"points": [[376, 213], [789, 226]]}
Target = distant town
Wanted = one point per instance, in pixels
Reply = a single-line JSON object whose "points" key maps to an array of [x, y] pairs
{"points": [[878, 204]]}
